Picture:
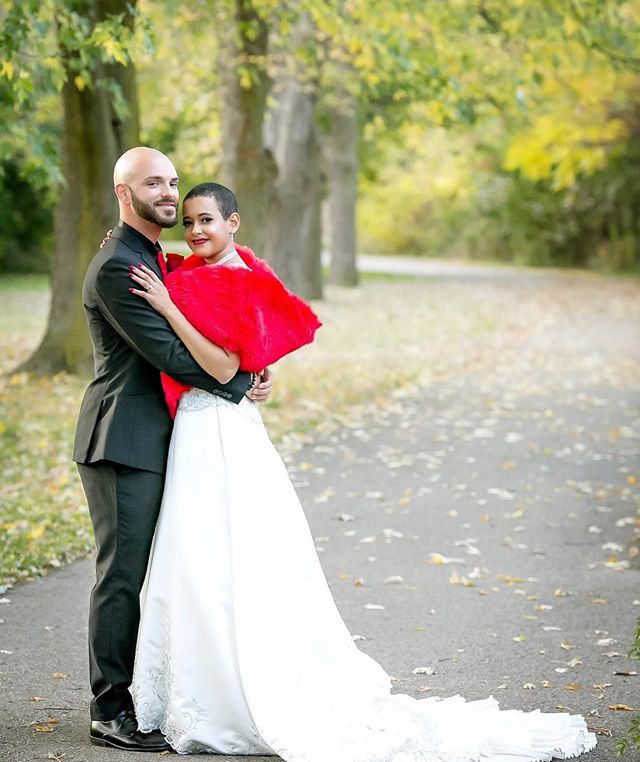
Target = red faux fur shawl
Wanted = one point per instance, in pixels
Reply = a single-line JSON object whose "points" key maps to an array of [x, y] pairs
{"points": [[249, 312]]}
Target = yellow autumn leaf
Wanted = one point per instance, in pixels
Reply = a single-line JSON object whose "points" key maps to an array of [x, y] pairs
{"points": [[36, 533], [7, 70]]}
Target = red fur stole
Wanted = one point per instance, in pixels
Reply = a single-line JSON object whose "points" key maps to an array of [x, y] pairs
{"points": [[247, 311]]}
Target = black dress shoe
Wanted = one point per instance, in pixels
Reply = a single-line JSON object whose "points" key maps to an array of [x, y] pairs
{"points": [[122, 733]]}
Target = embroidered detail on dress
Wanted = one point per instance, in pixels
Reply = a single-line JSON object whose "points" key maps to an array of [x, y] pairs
{"points": [[198, 399], [152, 691]]}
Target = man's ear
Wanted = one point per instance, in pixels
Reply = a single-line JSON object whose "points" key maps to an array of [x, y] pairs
{"points": [[122, 193]]}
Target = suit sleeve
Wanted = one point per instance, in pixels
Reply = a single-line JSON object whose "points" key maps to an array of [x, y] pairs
{"points": [[146, 331]]}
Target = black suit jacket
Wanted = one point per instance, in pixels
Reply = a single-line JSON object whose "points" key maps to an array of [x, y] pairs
{"points": [[123, 417]]}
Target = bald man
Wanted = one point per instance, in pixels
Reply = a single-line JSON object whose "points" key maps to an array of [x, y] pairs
{"points": [[123, 433]]}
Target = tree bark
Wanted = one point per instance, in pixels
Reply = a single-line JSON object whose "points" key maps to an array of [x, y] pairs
{"points": [[340, 164], [294, 227], [248, 167], [94, 135]]}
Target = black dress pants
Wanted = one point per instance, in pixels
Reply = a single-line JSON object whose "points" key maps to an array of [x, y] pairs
{"points": [[124, 503]]}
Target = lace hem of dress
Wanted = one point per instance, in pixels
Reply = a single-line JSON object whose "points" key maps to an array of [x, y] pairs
{"points": [[397, 728], [415, 737], [152, 693]]}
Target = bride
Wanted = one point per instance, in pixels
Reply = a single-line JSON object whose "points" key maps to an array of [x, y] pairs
{"points": [[241, 649]]}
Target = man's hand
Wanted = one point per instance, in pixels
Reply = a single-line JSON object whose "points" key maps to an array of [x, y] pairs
{"points": [[261, 391]]}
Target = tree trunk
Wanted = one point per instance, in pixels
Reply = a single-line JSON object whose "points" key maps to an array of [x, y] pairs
{"points": [[294, 245], [94, 135], [247, 165], [340, 163]]}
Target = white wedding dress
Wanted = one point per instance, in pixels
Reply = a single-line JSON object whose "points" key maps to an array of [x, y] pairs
{"points": [[241, 648]]}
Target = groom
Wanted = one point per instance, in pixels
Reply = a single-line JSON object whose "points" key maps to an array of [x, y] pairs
{"points": [[123, 433]]}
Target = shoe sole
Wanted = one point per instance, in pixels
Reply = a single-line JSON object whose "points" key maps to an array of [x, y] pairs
{"points": [[111, 745]]}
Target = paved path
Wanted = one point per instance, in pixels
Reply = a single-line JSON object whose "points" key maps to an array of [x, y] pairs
{"points": [[432, 267], [465, 529]]}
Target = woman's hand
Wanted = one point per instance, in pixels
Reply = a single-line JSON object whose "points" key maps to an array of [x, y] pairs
{"points": [[153, 289], [107, 238]]}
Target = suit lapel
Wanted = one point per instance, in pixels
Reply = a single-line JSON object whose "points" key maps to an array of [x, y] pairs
{"points": [[152, 262], [143, 248]]}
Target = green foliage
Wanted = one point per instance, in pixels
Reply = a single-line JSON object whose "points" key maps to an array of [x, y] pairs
{"points": [[42, 46], [545, 125], [26, 227]]}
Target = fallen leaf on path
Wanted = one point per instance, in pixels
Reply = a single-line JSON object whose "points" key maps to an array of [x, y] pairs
{"points": [[510, 580], [456, 579], [600, 731], [621, 708], [439, 560]]}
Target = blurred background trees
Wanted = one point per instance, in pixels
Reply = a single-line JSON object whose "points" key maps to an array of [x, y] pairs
{"points": [[472, 128]]}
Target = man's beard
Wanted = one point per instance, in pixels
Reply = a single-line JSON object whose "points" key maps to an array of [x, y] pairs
{"points": [[148, 212]]}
